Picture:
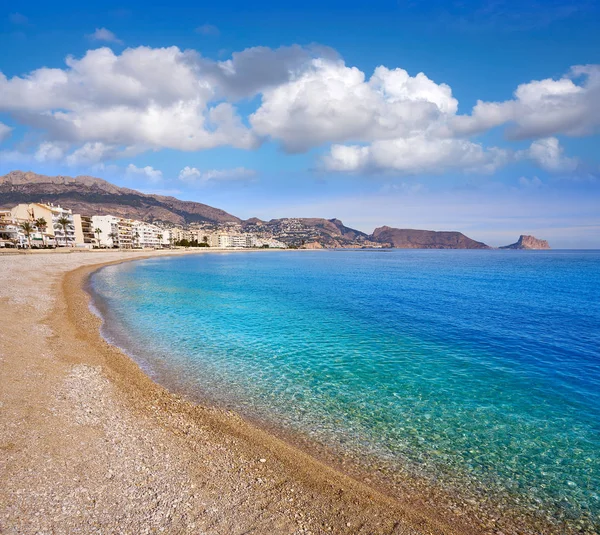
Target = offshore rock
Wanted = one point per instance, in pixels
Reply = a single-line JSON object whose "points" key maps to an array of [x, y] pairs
{"points": [[528, 242]]}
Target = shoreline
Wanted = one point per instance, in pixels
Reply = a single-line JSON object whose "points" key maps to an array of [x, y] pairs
{"points": [[268, 482], [303, 467]]}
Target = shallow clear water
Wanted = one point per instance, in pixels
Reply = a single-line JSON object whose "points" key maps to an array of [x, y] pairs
{"points": [[479, 369]]}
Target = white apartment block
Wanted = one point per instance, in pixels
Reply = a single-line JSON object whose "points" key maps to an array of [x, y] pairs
{"points": [[149, 236], [243, 241], [10, 233], [114, 231], [108, 225]]}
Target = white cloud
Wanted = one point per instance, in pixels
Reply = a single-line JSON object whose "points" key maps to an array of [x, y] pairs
{"points": [[105, 106], [255, 69], [90, 154], [154, 175], [549, 155], [102, 34], [543, 108], [330, 102], [208, 30], [144, 97], [194, 175], [50, 152], [5, 132], [416, 155]]}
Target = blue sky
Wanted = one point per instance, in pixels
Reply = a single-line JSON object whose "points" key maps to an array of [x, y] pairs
{"points": [[480, 116]]}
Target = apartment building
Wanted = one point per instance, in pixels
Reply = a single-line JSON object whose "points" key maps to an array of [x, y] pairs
{"points": [[55, 233], [149, 236], [114, 231], [224, 241], [84, 231], [10, 233]]}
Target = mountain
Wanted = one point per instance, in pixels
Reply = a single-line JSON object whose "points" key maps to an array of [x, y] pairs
{"points": [[528, 242], [94, 196], [424, 239]]}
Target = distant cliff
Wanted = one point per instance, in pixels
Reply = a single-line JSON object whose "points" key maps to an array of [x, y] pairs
{"points": [[94, 196], [528, 242], [424, 239]]}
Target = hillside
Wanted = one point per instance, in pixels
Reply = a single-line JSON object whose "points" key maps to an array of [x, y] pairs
{"points": [[424, 239], [94, 196], [301, 231]]}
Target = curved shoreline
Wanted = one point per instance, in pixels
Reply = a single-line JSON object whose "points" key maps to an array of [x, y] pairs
{"points": [[333, 488], [298, 492]]}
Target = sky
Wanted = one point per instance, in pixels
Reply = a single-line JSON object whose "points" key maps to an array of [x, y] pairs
{"points": [[477, 116]]}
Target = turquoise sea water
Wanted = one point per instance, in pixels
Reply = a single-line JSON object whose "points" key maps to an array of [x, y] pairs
{"points": [[479, 370]]}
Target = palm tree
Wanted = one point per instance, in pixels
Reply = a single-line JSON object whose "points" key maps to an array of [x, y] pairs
{"points": [[136, 237], [27, 228], [97, 232], [160, 237], [113, 236], [42, 225], [64, 222]]}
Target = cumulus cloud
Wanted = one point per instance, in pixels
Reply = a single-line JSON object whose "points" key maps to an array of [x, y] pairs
{"points": [[105, 106], [5, 131], [416, 155], [102, 34], [331, 102], [542, 108], [255, 69], [153, 98], [549, 155], [50, 152], [154, 175], [194, 175]]}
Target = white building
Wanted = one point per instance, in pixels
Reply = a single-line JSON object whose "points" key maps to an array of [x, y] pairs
{"points": [[149, 236], [271, 243], [109, 230], [11, 234]]}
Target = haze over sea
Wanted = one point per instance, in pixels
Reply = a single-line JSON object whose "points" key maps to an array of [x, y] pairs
{"points": [[479, 370]]}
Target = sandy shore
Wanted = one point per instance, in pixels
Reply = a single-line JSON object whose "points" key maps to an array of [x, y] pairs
{"points": [[89, 444]]}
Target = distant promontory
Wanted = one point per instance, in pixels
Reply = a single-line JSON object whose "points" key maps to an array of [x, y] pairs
{"points": [[528, 242]]}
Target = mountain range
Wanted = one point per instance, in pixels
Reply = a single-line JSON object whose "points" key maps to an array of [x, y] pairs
{"points": [[94, 196]]}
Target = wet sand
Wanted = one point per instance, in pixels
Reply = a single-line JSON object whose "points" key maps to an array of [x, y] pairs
{"points": [[89, 444]]}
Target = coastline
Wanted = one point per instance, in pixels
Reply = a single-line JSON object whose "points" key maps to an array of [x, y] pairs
{"points": [[221, 472]]}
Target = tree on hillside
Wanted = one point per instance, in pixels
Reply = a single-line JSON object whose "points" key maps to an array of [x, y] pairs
{"points": [[42, 225], [27, 229], [97, 232], [64, 222]]}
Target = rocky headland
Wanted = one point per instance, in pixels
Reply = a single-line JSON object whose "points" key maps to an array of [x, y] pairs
{"points": [[528, 242]]}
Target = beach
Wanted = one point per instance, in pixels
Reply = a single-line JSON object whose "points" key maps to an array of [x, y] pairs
{"points": [[90, 444]]}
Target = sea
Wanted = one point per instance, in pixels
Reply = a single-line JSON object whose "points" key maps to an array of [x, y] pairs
{"points": [[478, 371]]}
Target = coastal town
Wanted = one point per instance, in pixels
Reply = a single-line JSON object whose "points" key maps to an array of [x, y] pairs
{"points": [[46, 225]]}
